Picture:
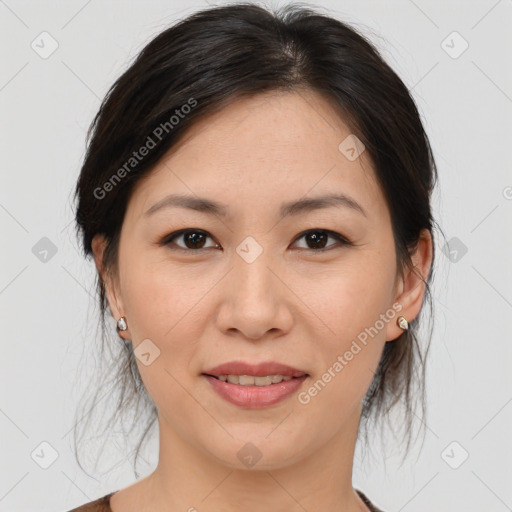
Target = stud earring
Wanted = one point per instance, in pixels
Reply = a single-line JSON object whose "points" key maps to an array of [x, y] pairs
{"points": [[402, 323], [121, 324]]}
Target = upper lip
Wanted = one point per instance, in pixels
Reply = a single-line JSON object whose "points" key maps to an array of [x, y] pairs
{"points": [[256, 370]]}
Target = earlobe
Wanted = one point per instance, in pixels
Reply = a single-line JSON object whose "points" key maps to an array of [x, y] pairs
{"points": [[412, 287]]}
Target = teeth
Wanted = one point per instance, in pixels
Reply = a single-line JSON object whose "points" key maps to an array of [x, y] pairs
{"points": [[250, 380]]}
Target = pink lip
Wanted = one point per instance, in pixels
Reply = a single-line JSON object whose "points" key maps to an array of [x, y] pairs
{"points": [[255, 397], [258, 370]]}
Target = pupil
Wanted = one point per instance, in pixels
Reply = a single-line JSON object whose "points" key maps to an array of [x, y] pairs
{"points": [[195, 238], [314, 236]]}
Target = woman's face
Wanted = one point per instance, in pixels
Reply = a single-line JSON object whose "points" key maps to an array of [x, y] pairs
{"points": [[252, 285]]}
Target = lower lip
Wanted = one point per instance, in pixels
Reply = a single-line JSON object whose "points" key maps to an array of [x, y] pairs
{"points": [[255, 397]]}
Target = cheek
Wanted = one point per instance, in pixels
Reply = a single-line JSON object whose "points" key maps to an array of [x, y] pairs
{"points": [[147, 302], [165, 306], [351, 308], [156, 297], [159, 308], [347, 359], [352, 297]]}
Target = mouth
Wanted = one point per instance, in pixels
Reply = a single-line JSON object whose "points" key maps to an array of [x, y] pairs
{"points": [[253, 380], [262, 374], [248, 394], [255, 386]]}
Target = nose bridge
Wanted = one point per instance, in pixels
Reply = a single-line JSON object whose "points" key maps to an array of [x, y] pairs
{"points": [[252, 303], [253, 277]]}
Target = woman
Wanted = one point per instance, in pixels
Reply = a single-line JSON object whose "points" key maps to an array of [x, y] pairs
{"points": [[256, 197]]}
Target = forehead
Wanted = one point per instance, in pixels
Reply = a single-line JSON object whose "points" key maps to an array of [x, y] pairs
{"points": [[275, 146]]}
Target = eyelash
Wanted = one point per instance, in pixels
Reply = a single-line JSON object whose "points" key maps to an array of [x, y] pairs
{"points": [[169, 239]]}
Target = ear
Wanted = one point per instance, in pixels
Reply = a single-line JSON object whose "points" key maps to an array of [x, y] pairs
{"points": [[411, 287], [110, 282]]}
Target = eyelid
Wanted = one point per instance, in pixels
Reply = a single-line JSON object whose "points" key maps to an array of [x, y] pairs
{"points": [[338, 236], [169, 239], [342, 240]]}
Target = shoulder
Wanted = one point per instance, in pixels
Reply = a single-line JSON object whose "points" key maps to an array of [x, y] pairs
{"points": [[368, 503], [100, 505]]}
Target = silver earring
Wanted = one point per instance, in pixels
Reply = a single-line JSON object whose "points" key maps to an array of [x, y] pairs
{"points": [[402, 323], [121, 324]]}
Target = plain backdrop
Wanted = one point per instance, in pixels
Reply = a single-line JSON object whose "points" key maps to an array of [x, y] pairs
{"points": [[455, 58]]}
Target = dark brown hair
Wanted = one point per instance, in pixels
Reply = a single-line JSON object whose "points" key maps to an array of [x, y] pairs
{"points": [[198, 66]]}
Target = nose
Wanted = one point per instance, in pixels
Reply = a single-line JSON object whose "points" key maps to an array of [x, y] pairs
{"points": [[254, 299]]}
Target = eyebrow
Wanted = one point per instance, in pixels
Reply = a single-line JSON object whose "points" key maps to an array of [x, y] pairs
{"points": [[300, 206]]}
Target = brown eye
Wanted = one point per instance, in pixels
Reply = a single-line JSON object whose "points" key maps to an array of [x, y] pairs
{"points": [[193, 239], [316, 239]]}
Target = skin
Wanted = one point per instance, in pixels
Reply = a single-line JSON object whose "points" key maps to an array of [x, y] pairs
{"points": [[292, 305]]}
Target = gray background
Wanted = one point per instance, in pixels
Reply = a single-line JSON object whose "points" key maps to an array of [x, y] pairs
{"points": [[47, 300]]}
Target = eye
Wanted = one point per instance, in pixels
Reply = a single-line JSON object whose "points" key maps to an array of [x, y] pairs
{"points": [[318, 239], [194, 239]]}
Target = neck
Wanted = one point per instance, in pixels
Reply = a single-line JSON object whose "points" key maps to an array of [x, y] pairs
{"points": [[187, 478]]}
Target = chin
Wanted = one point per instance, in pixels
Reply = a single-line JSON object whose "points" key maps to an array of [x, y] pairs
{"points": [[256, 452]]}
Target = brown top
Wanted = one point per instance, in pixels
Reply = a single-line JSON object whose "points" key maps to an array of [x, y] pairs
{"points": [[103, 504]]}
